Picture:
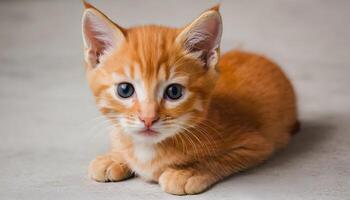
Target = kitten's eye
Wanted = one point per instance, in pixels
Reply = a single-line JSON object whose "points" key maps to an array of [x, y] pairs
{"points": [[125, 90], [174, 91]]}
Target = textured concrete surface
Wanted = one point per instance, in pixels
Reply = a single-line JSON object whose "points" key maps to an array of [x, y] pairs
{"points": [[50, 128]]}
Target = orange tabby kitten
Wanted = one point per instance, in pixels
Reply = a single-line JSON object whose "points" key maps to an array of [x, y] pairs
{"points": [[184, 117]]}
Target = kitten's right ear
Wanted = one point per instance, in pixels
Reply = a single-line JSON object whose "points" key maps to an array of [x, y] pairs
{"points": [[100, 35]]}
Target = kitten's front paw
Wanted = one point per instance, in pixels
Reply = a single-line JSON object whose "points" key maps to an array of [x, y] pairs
{"points": [[182, 181], [104, 169]]}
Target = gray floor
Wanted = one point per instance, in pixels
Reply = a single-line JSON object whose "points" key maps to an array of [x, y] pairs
{"points": [[49, 130]]}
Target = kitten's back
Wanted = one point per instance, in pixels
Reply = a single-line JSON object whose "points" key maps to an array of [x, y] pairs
{"points": [[258, 92]]}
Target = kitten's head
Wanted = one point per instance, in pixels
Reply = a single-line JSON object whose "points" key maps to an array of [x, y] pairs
{"points": [[152, 82]]}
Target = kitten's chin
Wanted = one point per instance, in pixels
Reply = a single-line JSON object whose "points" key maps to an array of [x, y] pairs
{"points": [[149, 133], [150, 136], [146, 137]]}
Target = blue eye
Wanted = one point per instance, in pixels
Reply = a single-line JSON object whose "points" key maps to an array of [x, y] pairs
{"points": [[125, 90], [174, 91]]}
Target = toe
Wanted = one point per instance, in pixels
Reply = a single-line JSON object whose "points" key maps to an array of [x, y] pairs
{"points": [[97, 169], [173, 181], [117, 172], [197, 184]]}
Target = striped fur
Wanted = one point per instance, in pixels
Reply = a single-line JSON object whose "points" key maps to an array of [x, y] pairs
{"points": [[224, 123]]}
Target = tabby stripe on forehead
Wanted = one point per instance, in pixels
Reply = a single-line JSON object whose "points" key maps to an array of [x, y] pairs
{"points": [[162, 75], [127, 71], [137, 72]]}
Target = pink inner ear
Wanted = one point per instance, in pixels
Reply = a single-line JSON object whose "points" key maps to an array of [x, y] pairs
{"points": [[205, 37], [98, 36]]}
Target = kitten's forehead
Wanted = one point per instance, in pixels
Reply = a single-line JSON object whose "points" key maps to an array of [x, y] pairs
{"points": [[152, 50]]}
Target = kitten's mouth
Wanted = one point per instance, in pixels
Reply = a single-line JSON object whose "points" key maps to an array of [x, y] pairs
{"points": [[149, 132]]}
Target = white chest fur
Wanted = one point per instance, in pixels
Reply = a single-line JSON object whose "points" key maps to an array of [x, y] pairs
{"points": [[143, 154], [138, 158]]}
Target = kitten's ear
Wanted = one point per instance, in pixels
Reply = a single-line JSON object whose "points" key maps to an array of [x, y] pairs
{"points": [[202, 37], [100, 35]]}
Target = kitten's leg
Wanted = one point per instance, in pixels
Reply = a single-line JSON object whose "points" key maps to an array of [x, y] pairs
{"points": [[110, 167], [198, 177]]}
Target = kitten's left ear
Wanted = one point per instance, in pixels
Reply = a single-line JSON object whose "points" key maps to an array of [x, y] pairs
{"points": [[202, 37]]}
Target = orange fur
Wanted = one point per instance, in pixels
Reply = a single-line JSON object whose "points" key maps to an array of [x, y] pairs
{"points": [[230, 121]]}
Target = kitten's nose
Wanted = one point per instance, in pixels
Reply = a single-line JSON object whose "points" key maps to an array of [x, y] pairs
{"points": [[149, 120], [148, 113]]}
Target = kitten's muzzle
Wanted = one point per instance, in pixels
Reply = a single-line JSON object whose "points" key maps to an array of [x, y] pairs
{"points": [[149, 120]]}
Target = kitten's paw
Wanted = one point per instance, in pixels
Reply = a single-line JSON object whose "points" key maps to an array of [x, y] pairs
{"points": [[104, 169], [181, 182]]}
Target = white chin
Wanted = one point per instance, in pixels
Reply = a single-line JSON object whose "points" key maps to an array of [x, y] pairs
{"points": [[151, 139]]}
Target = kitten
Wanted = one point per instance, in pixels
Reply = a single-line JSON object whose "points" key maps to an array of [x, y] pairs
{"points": [[183, 117]]}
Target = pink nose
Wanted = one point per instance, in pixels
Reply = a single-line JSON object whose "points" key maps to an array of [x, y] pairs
{"points": [[149, 121]]}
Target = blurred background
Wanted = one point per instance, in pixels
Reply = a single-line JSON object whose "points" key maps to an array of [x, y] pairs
{"points": [[50, 128]]}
